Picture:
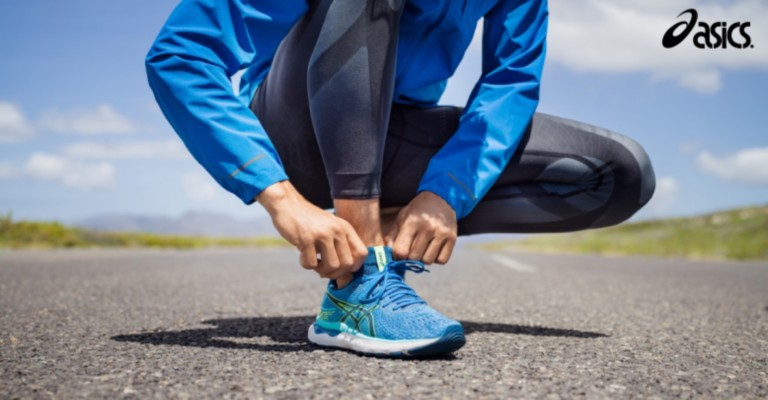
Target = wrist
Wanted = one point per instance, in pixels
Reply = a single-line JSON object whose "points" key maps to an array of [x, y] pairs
{"points": [[277, 197], [435, 198]]}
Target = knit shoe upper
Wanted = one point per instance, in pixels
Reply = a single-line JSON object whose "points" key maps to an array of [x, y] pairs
{"points": [[378, 304]]}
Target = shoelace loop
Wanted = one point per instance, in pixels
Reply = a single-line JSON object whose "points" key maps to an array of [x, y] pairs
{"points": [[390, 287]]}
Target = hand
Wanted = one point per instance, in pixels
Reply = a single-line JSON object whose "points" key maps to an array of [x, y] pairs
{"points": [[424, 230], [314, 231]]}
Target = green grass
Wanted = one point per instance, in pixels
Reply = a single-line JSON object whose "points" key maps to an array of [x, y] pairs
{"points": [[740, 234], [51, 235]]}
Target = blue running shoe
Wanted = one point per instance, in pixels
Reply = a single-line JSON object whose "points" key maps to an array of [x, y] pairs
{"points": [[379, 314]]}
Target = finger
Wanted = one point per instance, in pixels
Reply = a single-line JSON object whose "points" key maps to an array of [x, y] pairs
{"points": [[391, 234], [446, 251], [335, 274], [402, 245], [324, 270], [308, 257], [357, 247], [346, 261], [433, 250], [330, 260], [418, 247]]}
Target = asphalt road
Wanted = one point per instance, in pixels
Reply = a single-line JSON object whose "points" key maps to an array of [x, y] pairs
{"points": [[232, 324]]}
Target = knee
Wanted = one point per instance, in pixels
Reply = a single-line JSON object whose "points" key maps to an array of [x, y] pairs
{"points": [[648, 179], [634, 185], [639, 178]]}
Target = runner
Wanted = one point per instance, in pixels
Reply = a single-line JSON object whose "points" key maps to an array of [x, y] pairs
{"points": [[338, 108]]}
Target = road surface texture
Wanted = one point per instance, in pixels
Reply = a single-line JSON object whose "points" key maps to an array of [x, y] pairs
{"points": [[232, 324]]}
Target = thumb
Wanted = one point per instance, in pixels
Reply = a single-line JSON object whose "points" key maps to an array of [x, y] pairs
{"points": [[391, 234]]}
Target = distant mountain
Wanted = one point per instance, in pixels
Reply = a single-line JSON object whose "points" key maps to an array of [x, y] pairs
{"points": [[198, 223]]}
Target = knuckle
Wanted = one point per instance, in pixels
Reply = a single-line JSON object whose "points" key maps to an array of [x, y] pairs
{"points": [[399, 251], [307, 263], [346, 227], [362, 253], [347, 264]]}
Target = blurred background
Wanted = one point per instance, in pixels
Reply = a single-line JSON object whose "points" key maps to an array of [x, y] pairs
{"points": [[83, 142]]}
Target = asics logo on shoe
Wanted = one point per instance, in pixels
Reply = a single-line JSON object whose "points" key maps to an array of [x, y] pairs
{"points": [[357, 314]]}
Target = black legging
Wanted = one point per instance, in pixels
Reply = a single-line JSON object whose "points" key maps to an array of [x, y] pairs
{"points": [[327, 107]]}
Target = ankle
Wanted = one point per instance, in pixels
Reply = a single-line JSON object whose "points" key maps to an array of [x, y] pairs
{"points": [[364, 216]]}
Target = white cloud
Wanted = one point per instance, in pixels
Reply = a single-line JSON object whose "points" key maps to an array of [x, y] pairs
{"points": [[625, 36], [747, 166], [166, 149], [13, 124], [665, 197], [706, 82], [199, 187], [97, 121], [76, 174]]}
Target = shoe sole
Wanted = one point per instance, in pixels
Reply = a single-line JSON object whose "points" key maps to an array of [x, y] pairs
{"points": [[449, 341]]}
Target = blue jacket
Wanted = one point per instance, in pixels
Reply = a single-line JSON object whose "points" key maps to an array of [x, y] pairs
{"points": [[205, 42]]}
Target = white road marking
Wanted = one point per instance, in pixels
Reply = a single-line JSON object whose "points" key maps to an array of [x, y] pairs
{"points": [[513, 264]]}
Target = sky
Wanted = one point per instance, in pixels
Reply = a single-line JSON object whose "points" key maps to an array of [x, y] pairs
{"points": [[81, 135]]}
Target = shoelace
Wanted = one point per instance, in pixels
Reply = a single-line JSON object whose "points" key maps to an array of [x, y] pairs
{"points": [[390, 287]]}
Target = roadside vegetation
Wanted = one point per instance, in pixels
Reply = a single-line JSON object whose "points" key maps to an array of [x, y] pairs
{"points": [[740, 234], [50, 235]]}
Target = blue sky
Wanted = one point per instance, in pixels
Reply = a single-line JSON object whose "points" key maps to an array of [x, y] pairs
{"points": [[80, 133]]}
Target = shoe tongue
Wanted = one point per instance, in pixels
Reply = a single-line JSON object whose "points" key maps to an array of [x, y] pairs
{"points": [[377, 260]]}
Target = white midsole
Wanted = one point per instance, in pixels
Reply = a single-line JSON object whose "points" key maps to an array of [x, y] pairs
{"points": [[364, 344]]}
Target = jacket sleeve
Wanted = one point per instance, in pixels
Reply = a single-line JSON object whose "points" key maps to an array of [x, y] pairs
{"points": [[204, 43], [498, 110]]}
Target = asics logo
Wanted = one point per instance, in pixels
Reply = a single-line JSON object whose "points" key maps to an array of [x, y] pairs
{"points": [[711, 36], [357, 314]]}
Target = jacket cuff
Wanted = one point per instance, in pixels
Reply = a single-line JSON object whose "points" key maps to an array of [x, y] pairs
{"points": [[456, 193], [253, 176]]}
